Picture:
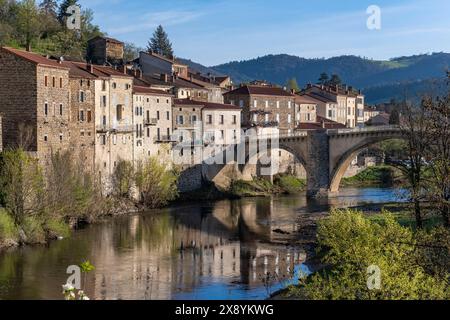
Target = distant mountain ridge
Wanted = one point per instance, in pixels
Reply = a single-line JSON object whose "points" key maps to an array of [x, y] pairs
{"points": [[380, 80]]}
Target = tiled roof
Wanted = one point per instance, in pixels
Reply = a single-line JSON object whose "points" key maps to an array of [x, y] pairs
{"points": [[305, 99], [206, 105], [78, 70], [319, 97], [261, 90], [34, 58], [149, 91]]}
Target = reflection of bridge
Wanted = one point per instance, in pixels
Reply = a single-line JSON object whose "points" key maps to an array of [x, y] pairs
{"points": [[325, 154]]}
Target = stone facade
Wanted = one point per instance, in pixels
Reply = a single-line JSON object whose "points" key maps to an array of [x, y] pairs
{"points": [[36, 117], [1, 133], [103, 49]]}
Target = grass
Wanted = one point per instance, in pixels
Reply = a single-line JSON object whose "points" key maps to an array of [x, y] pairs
{"points": [[286, 184], [290, 184], [378, 175]]}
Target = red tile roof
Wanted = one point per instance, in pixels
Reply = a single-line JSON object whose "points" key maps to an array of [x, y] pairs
{"points": [[261, 90], [305, 99], [206, 105], [318, 97], [34, 58]]}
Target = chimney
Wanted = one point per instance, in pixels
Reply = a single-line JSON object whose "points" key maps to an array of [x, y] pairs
{"points": [[90, 68]]}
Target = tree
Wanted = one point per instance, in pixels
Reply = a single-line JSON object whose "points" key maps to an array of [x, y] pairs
{"points": [[439, 154], [292, 85], [28, 22], [323, 78], [49, 7], [122, 179], [62, 13], [131, 51], [335, 80], [394, 118], [160, 43]]}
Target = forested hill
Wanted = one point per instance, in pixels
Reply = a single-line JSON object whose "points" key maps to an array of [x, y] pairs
{"points": [[380, 80]]}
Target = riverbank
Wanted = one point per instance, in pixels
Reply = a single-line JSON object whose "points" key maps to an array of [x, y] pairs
{"points": [[309, 236], [377, 176]]}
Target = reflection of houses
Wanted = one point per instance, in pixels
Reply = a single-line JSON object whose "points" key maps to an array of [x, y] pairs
{"points": [[158, 256]]}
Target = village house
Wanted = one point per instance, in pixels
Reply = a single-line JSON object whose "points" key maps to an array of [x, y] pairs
{"points": [[305, 109], [199, 124], [369, 113], [36, 117], [350, 103], [153, 123], [264, 106]]}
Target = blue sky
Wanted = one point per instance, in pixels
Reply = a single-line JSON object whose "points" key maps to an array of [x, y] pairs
{"points": [[213, 32]]}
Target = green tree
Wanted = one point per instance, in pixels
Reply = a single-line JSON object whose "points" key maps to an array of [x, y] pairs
{"points": [[122, 179], [22, 185], [394, 118], [293, 85], [28, 22], [49, 7], [323, 78], [160, 43], [335, 80]]}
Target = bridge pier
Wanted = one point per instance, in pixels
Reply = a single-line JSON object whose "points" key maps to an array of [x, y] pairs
{"points": [[318, 164]]}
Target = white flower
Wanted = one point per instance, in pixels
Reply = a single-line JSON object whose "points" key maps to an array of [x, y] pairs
{"points": [[67, 287], [85, 298]]}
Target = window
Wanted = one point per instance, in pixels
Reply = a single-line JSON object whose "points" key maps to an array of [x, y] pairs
{"points": [[103, 101], [81, 118], [114, 85], [148, 132], [104, 85], [232, 102], [167, 101], [209, 117], [137, 131], [168, 132], [255, 104], [157, 100], [289, 104], [308, 116], [119, 112], [45, 138], [159, 133], [278, 117], [241, 103], [46, 81], [267, 104], [89, 116], [222, 120], [289, 118], [234, 119], [82, 133], [60, 82], [180, 119], [222, 134], [330, 113], [168, 115], [81, 96], [60, 109], [60, 137], [157, 115], [104, 120], [193, 119], [266, 118], [54, 82], [114, 139], [46, 109], [278, 104]]}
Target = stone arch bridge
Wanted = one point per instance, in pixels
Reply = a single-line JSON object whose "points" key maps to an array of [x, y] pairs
{"points": [[325, 154]]}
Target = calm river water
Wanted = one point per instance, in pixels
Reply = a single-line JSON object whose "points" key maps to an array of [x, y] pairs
{"points": [[217, 250]]}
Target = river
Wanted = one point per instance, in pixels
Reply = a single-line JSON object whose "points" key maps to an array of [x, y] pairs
{"points": [[217, 250]]}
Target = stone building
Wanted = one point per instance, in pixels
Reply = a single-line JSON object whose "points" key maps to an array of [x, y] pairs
{"points": [[264, 106], [152, 63], [1, 134], [153, 123], [82, 113], [34, 95], [104, 50]]}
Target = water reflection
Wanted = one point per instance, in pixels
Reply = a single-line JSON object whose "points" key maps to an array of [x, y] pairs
{"points": [[218, 250]]}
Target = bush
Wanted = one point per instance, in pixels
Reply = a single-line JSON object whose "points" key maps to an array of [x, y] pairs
{"points": [[157, 183], [122, 179], [349, 243], [290, 184], [382, 175], [8, 229], [34, 231]]}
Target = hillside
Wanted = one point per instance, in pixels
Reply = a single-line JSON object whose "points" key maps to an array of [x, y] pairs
{"points": [[380, 80]]}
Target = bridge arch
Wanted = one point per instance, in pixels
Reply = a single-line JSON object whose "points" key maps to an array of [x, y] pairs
{"points": [[338, 169], [252, 161]]}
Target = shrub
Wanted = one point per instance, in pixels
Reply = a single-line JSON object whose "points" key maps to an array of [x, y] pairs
{"points": [[349, 243], [157, 183], [8, 229], [122, 179], [34, 231]]}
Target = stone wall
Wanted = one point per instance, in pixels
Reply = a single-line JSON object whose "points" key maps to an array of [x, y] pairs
{"points": [[191, 179]]}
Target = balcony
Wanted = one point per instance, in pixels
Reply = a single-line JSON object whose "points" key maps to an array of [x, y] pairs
{"points": [[150, 122], [115, 129], [164, 139]]}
